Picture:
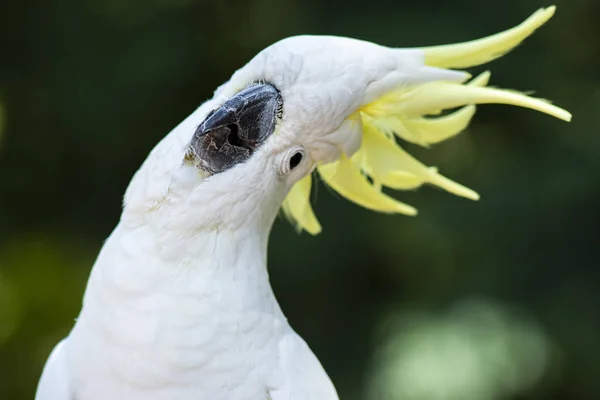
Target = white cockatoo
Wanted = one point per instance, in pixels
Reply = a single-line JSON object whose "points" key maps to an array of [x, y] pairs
{"points": [[178, 305]]}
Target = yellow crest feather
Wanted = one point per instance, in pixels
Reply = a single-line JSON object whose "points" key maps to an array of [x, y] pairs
{"points": [[481, 51], [407, 113], [298, 209]]}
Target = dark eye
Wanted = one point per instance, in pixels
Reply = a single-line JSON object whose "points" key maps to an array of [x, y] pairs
{"points": [[296, 160]]}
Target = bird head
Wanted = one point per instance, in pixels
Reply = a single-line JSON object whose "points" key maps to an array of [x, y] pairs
{"points": [[338, 105]]}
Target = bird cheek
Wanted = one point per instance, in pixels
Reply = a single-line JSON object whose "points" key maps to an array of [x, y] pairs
{"points": [[301, 173]]}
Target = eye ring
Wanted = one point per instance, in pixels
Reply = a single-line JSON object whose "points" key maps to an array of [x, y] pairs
{"points": [[293, 159]]}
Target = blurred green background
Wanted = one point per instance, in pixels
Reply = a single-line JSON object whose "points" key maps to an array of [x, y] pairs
{"points": [[489, 300]]}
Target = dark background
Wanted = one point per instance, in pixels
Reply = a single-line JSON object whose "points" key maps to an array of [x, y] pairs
{"points": [[496, 299]]}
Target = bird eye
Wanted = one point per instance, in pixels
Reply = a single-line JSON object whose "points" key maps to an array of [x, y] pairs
{"points": [[296, 159], [293, 158]]}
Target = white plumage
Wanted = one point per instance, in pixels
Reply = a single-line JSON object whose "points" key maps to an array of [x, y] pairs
{"points": [[178, 305]]}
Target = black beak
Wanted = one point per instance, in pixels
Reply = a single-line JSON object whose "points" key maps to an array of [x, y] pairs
{"points": [[230, 134]]}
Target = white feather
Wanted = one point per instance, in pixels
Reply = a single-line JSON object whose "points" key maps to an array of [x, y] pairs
{"points": [[178, 304], [54, 383], [305, 378]]}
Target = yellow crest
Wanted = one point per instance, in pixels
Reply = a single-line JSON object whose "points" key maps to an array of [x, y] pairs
{"points": [[410, 114]]}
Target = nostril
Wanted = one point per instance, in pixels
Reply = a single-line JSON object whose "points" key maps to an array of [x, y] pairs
{"points": [[233, 137]]}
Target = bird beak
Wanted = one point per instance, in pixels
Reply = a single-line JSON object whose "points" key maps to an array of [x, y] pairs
{"points": [[230, 134]]}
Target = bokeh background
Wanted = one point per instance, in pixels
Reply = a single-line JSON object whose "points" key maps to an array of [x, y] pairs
{"points": [[490, 300]]}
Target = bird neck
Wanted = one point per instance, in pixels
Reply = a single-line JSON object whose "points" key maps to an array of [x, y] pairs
{"points": [[163, 301], [144, 260]]}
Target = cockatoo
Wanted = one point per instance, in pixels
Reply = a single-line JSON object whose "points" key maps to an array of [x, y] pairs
{"points": [[178, 305]]}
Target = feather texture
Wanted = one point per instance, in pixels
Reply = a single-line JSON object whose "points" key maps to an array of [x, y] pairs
{"points": [[412, 113]]}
